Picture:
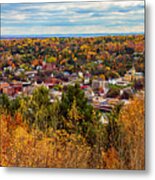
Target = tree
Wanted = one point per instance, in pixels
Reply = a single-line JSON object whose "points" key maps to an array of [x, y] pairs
{"points": [[75, 109], [112, 131], [4, 101], [139, 84], [38, 111], [51, 59], [73, 118], [41, 96], [75, 93], [131, 121], [113, 93], [111, 159], [127, 94]]}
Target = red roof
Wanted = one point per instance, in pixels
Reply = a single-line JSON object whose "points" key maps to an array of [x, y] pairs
{"points": [[4, 84], [84, 87]]}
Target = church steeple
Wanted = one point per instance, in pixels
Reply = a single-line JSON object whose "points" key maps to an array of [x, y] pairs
{"points": [[133, 70]]}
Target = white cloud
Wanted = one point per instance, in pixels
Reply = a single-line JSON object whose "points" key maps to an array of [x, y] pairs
{"points": [[35, 16], [129, 3], [14, 15]]}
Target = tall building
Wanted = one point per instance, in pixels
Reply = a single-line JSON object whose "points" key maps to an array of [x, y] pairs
{"points": [[98, 84], [133, 75], [129, 76]]}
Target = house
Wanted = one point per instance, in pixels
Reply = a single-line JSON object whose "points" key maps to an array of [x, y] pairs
{"points": [[12, 88], [17, 87], [28, 90], [98, 84], [104, 119], [112, 81], [89, 94], [138, 76], [3, 87], [39, 67], [102, 104], [9, 91], [66, 73], [8, 68], [87, 77], [31, 74], [51, 81], [97, 100], [80, 74], [84, 87], [19, 71], [86, 80], [129, 76], [55, 95], [126, 93], [133, 75], [106, 105], [49, 66], [26, 83], [73, 77], [122, 83]]}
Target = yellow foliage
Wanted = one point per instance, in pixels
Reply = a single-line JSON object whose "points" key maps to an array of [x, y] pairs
{"points": [[24, 147], [111, 159], [132, 121], [33, 149]]}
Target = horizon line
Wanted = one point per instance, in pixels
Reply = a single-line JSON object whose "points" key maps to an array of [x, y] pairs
{"points": [[69, 34]]}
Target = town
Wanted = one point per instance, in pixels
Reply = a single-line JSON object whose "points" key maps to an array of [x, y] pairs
{"points": [[107, 71], [72, 85], [101, 93]]}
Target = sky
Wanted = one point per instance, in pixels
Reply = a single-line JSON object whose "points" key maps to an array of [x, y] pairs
{"points": [[72, 18]]}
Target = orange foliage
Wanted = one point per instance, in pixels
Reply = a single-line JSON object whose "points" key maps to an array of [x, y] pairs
{"points": [[111, 159], [35, 62], [34, 149], [24, 147], [132, 122]]}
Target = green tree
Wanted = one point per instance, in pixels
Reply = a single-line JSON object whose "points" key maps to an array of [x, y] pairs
{"points": [[38, 111], [75, 109], [75, 93]]}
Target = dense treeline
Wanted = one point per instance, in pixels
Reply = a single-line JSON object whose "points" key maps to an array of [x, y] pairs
{"points": [[36, 133], [115, 54]]}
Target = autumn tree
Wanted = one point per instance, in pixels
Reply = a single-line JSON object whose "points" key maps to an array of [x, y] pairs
{"points": [[131, 120]]}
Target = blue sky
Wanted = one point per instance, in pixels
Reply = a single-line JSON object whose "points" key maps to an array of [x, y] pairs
{"points": [[72, 18]]}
